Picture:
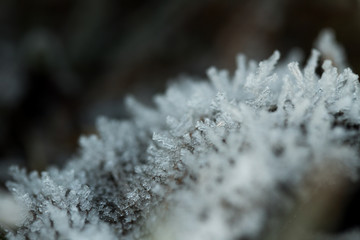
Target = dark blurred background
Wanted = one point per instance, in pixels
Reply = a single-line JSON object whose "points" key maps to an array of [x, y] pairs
{"points": [[62, 62]]}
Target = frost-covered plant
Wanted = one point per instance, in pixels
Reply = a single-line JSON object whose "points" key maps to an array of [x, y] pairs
{"points": [[212, 160]]}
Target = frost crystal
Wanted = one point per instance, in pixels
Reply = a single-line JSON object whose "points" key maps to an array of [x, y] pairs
{"points": [[210, 161]]}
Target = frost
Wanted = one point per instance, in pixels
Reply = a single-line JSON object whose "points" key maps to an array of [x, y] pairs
{"points": [[211, 160], [11, 212], [330, 49]]}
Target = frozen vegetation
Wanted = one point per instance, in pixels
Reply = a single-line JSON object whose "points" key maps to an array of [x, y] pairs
{"points": [[217, 159]]}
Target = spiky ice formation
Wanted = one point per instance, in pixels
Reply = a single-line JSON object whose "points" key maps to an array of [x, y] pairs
{"points": [[212, 157]]}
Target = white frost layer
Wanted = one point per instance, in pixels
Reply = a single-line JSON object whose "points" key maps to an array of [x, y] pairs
{"points": [[216, 155]]}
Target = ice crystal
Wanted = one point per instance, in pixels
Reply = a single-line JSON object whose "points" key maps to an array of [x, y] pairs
{"points": [[211, 160]]}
